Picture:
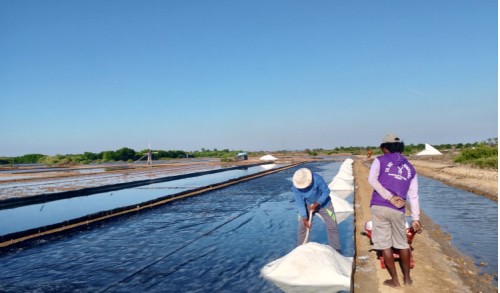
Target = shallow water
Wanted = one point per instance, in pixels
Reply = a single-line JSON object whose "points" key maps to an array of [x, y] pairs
{"points": [[217, 242], [471, 220], [39, 215]]}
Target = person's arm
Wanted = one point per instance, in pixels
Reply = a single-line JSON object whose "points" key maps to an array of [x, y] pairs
{"points": [[300, 204], [413, 195], [373, 180], [325, 191]]}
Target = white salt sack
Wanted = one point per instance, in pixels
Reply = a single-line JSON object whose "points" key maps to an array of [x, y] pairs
{"points": [[312, 267]]}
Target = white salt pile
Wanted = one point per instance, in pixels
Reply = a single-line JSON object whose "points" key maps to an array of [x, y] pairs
{"points": [[342, 186], [344, 180], [311, 267]]}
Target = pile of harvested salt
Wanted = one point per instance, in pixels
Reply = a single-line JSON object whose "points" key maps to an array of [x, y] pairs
{"points": [[312, 267]]}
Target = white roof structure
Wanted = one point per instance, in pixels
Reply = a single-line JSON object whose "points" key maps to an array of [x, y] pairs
{"points": [[429, 150], [268, 158]]}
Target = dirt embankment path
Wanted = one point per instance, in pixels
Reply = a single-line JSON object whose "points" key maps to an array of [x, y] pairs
{"points": [[439, 267]]}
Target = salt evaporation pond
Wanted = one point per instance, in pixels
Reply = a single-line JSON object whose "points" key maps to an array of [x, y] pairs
{"points": [[471, 220], [57, 211], [217, 242]]}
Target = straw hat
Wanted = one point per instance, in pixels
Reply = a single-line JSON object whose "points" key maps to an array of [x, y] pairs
{"points": [[302, 178]]}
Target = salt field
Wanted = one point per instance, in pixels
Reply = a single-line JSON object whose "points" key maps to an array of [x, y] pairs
{"points": [[216, 242], [59, 179], [52, 212]]}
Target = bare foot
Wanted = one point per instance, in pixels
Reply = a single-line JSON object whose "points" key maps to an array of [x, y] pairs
{"points": [[408, 282], [392, 284]]}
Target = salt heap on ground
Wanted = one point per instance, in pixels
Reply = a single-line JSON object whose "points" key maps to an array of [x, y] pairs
{"points": [[429, 150], [344, 180], [311, 267], [342, 186], [268, 158]]}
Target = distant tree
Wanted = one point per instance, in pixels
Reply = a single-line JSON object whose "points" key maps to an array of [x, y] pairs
{"points": [[125, 154], [88, 156], [5, 161], [108, 156], [311, 152], [28, 159], [173, 154], [492, 141]]}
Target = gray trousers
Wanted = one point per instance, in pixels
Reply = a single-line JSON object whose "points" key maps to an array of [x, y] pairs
{"points": [[327, 214]]}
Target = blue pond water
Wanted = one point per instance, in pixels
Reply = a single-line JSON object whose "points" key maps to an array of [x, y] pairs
{"points": [[217, 242], [470, 219], [37, 215]]}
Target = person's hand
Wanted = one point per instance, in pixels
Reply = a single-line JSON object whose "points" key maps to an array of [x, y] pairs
{"points": [[397, 201], [417, 227], [306, 223], [314, 207]]}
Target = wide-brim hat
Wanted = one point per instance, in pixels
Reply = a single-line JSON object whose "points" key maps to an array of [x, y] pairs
{"points": [[302, 178]]}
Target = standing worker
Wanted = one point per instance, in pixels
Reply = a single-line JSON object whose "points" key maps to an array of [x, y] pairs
{"points": [[312, 194], [394, 181]]}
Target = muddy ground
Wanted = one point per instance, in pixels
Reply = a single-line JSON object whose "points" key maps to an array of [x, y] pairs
{"points": [[439, 267]]}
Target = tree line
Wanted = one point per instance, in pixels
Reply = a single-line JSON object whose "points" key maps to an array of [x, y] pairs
{"points": [[124, 155], [482, 154]]}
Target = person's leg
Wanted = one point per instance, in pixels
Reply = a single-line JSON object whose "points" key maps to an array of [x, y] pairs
{"points": [[391, 268], [301, 234], [382, 241], [400, 242], [328, 215], [404, 255]]}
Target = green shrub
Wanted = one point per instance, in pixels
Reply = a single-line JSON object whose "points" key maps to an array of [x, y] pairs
{"points": [[486, 163], [482, 156]]}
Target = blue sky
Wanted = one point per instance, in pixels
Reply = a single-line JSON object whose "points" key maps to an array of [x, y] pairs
{"points": [[89, 75]]}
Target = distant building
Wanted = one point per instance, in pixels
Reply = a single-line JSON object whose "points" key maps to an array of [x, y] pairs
{"points": [[242, 156]]}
